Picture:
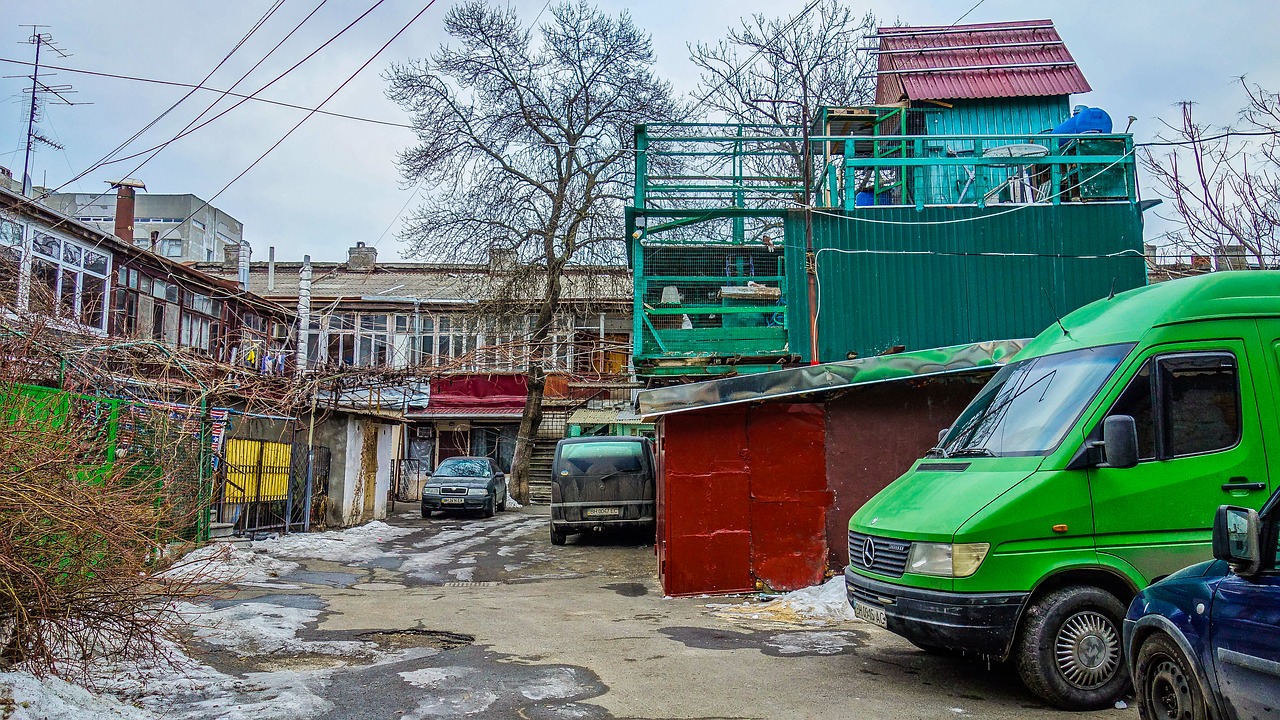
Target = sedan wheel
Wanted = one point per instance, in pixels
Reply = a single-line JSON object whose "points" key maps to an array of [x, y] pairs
{"points": [[489, 507], [1166, 685]]}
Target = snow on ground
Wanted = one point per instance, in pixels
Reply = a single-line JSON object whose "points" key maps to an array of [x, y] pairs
{"points": [[50, 698], [227, 563], [352, 545], [818, 605], [264, 628]]}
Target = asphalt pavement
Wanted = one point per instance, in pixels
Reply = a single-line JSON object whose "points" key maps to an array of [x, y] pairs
{"points": [[487, 619]]}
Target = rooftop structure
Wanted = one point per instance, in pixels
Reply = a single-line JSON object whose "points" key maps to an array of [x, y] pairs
{"points": [[919, 220]]}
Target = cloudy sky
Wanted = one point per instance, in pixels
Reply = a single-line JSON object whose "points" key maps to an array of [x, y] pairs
{"points": [[333, 182]]}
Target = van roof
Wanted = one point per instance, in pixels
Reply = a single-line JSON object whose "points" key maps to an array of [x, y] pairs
{"points": [[1128, 315]]}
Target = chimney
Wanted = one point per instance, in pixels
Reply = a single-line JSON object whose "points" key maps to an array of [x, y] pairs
{"points": [[1230, 257], [124, 206], [155, 241], [271, 269], [231, 257], [242, 265], [304, 317], [362, 257], [502, 258]]}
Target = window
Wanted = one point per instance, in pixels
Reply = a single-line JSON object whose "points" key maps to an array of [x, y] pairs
{"points": [[69, 280], [1200, 398], [1185, 404], [172, 247]]}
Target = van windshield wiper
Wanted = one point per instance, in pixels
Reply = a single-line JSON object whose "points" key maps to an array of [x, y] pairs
{"points": [[971, 452]]}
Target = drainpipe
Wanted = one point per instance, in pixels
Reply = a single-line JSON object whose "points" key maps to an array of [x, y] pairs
{"points": [[304, 316]]}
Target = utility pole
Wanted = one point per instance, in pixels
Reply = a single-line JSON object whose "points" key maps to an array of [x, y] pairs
{"points": [[38, 91]]}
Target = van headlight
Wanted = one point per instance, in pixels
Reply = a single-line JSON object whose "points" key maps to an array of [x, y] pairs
{"points": [[946, 559]]}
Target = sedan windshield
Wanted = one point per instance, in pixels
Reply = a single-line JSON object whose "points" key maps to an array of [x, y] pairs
{"points": [[1029, 405], [463, 467]]}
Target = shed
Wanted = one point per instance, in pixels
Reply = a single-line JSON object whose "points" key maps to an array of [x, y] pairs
{"points": [[759, 473]]}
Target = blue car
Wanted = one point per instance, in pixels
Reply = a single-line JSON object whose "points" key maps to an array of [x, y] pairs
{"points": [[1205, 641]]}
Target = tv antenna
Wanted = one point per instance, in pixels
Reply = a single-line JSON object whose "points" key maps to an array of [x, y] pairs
{"points": [[42, 94]]}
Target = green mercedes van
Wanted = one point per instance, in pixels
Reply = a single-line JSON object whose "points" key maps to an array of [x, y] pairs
{"points": [[1088, 467]]}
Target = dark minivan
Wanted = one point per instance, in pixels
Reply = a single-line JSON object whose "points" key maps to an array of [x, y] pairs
{"points": [[601, 482]]}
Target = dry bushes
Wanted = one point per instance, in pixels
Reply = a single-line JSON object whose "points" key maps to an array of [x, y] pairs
{"points": [[92, 493]]}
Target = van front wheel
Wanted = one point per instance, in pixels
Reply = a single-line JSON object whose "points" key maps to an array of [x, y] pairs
{"points": [[1070, 650]]}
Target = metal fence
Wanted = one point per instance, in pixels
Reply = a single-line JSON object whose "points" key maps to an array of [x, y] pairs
{"points": [[265, 486]]}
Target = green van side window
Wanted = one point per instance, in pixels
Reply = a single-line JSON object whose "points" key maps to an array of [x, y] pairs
{"points": [[1137, 402], [1186, 404], [1201, 396]]}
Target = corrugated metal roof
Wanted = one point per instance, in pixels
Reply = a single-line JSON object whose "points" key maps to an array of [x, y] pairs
{"points": [[828, 377], [1011, 59], [429, 283]]}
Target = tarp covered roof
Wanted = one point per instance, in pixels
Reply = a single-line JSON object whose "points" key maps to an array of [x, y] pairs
{"points": [[986, 60], [828, 377]]}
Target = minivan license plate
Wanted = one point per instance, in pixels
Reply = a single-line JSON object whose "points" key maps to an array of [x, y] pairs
{"points": [[602, 512], [869, 613]]}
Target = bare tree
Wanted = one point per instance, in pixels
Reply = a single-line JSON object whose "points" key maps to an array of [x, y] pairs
{"points": [[1224, 181], [524, 147], [781, 70]]}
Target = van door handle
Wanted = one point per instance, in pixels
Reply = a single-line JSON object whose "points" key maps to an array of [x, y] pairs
{"points": [[1242, 483]]}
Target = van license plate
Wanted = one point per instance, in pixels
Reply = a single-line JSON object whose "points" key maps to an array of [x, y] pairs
{"points": [[602, 512], [452, 501], [869, 613]]}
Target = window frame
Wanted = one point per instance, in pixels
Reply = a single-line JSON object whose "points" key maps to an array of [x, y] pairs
{"points": [[1158, 410]]}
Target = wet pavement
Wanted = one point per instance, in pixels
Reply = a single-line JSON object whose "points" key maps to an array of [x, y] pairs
{"points": [[463, 616]]}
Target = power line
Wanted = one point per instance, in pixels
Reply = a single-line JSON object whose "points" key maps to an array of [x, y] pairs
{"points": [[794, 21], [966, 13], [311, 113], [227, 93], [276, 79]]}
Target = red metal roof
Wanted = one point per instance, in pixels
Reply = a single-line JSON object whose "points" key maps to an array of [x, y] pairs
{"points": [[991, 60]]}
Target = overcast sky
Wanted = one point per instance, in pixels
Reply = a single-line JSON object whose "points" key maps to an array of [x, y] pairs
{"points": [[333, 182]]}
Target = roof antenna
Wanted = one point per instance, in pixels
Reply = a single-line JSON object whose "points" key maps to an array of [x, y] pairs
{"points": [[1054, 310], [1112, 294]]}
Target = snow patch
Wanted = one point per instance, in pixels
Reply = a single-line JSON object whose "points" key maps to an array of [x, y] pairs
{"points": [[430, 677], [812, 643], [264, 627], [224, 563], [51, 698], [559, 684], [352, 545], [512, 504], [818, 605]]}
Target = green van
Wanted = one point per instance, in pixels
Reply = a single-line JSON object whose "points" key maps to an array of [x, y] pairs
{"points": [[1088, 467]]}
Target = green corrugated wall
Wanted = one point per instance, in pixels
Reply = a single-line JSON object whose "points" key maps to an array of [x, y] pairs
{"points": [[916, 278]]}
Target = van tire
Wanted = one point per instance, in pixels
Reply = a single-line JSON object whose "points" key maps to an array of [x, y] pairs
{"points": [[1056, 628], [558, 537], [1166, 682]]}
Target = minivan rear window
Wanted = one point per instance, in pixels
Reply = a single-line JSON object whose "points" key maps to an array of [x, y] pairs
{"points": [[598, 458]]}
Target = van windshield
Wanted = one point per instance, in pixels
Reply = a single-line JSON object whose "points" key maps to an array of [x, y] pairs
{"points": [[1029, 405], [601, 458]]}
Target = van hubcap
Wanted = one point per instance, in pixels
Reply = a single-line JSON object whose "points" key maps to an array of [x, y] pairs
{"points": [[1088, 650]]}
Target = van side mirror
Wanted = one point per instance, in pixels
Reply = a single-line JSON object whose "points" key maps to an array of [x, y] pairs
{"points": [[942, 435], [1235, 539], [1120, 441]]}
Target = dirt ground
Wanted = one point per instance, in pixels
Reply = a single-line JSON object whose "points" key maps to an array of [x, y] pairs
{"points": [[475, 617]]}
